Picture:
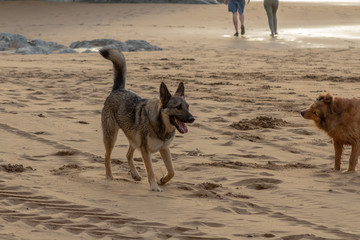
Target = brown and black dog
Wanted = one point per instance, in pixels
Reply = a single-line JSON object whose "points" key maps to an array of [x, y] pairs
{"points": [[340, 119], [148, 124]]}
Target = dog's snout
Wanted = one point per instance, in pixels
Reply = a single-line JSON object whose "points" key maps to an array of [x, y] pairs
{"points": [[191, 119], [302, 113]]}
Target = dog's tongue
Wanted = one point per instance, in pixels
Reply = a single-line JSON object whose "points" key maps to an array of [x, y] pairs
{"points": [[182, 126]]}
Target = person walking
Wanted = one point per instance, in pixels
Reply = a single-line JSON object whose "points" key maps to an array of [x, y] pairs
{"points": [[236, 6], [271, 7]]}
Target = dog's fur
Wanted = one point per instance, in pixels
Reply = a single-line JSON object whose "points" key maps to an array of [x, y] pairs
{"points": [[340, 119], [149, 125]]}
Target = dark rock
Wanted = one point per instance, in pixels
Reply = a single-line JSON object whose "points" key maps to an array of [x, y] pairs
{"points": [[21, 45], [140, 45], [4, 46], [129, 45], [98, 43], [53, 46], [12, 41], [33, 50]]}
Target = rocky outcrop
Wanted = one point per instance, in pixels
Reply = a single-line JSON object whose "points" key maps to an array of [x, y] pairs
{"points": [[19, 44]]}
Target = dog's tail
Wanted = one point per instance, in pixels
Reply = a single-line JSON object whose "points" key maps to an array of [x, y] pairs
{"points": [[119, 66]]}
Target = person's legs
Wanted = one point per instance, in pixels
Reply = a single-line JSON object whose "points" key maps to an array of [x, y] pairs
{"points": [[275, 6], [241, 6], [242, 20], [232, 7], [269, 13], [236, 25]]}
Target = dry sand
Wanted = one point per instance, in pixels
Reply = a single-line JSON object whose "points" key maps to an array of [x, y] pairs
{"points": [[250, 166]]}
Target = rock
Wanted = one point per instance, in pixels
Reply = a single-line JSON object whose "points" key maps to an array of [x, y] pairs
{"points": [[4, 46], [53, 46], [141, 45], [12, 41], [21, 45], [129, 45], [33, 50], [98, 43]]}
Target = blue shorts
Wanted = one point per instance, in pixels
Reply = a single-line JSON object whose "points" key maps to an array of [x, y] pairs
{"points": [[236, 5]]}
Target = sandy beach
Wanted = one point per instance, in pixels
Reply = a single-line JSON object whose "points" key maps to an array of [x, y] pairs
{"points": [[250, 167]]}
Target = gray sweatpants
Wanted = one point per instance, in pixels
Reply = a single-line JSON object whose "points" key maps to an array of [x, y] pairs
{"points": [[271, 7]]}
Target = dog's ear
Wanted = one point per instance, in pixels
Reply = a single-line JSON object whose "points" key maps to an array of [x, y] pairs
{"points": [[165, 95], [328, 98], [180, 91]]}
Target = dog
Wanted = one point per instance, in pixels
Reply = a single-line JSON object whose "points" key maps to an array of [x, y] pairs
{"points": [[340, 119], [148, 124]]}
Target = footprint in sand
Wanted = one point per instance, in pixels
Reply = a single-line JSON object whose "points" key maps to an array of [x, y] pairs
{"points": [[259, 183]]}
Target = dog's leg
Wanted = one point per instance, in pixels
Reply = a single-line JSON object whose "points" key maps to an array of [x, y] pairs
{"points": [[149, 169], [109, 145], [338, 152], [130, 157], [166, 156], [354, 157], [110, 131]]}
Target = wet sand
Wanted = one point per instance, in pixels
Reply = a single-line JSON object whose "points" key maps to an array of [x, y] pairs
{"points": [[177, 26], [250, 166]]}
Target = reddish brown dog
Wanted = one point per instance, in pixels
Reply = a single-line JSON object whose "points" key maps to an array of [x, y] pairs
{"points": [[340, 119]]}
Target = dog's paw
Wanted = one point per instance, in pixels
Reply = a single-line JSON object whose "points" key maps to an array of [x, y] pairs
{"points": [[155, 188], [163, 181], [135, 176], [109, 177], [166, 178]]}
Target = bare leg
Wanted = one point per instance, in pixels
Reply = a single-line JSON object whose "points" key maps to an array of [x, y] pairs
{"points": [[166, 156], [354, 157], [235, 22], [338, 152], [242, 21], [130, 157], [150, 171]]}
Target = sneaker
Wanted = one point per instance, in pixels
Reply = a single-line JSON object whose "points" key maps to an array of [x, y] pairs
{"points": [[242, 29], [236, 34]]}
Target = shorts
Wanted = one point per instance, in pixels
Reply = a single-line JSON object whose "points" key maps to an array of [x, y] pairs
{"points": [[236, 5]]}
